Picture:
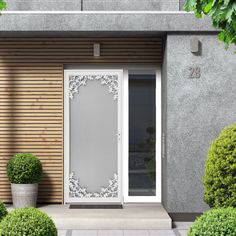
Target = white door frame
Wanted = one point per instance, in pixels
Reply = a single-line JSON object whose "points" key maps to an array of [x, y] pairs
{"points": [[68, 199], [125, 140], [123, 108]]}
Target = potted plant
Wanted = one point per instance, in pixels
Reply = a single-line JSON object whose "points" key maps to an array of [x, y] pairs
{"points": [[24, 171]]}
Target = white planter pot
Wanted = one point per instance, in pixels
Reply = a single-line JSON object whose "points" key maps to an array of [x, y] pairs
{"points": [[24, 195]]}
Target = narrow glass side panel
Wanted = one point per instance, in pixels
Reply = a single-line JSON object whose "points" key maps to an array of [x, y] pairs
{"points": [[142, 143]]}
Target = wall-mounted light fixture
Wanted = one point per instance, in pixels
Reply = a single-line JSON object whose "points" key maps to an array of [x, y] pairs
{"points": [[195, 45], [96, 49]]}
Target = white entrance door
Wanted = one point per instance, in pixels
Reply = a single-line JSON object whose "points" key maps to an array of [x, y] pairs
{"points": [[92, 139]]}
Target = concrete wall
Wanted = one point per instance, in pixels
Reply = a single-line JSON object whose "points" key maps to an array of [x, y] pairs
{"points": [[197, 109], [43, 5], [95, 24], [181, 4], [131, 5], [93, 5]]}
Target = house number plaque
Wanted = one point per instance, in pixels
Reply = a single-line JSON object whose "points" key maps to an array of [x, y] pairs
{"points": [[194, 72]]}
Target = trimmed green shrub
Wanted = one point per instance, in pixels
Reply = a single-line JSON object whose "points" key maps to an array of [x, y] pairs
{"points": [[24, 168], [3, 4], [3, 210], [216, 222], [27, 222], [220, 170]]}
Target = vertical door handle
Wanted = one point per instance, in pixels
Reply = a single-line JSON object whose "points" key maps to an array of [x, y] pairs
{"points": [[118, 136]]}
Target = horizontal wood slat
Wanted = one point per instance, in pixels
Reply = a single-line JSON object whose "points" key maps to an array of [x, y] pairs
{"points": [[31, 96], [79, 50]]}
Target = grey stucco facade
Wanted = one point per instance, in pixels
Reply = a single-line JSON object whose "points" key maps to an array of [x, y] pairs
{"points": [[93, 5], [194, 109]]}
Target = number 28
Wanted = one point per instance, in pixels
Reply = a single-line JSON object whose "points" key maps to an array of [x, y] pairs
{"points": [[195, 72]]}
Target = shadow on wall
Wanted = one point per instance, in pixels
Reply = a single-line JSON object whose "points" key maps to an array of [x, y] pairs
{"points": [[42, 197], [8, 126], [23, 124], [181, 4]]}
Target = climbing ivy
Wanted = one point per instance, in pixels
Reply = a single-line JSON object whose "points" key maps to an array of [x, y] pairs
{"points": [[222, 13]]}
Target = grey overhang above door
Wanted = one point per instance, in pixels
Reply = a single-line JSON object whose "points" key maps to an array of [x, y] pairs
{"points": [[103, 22]]}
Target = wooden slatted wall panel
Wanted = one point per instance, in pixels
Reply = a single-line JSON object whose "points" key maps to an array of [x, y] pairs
{"points": [[31, 118], [31, 97]]}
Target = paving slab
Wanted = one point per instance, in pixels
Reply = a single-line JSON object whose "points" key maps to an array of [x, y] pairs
{"points": [[183, 232], [161, 233], [110, 233], [62, 233], [173, 232], [136, 233], [182, 225], [84, 233]]}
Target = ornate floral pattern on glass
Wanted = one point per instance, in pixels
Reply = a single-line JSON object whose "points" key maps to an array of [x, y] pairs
{"points": [[76, 81], [76, 190]]}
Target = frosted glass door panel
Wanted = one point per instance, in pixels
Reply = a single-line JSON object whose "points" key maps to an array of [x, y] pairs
{"points": [[94, 137]]}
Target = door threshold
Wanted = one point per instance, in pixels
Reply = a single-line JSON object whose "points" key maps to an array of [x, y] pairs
{"points": [[95, 206], [132, 216]]}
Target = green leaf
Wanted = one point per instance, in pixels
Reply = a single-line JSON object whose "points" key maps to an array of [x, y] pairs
{"points": [[226, 2], [198, 15], [230, 12], [190, 5], [221, 36], [208, 7]]}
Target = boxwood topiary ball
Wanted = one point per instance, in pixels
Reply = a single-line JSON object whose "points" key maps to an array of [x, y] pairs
{"points": [[27, 222], [3, 210], [220, 170], [216, 222], [24, 168]]}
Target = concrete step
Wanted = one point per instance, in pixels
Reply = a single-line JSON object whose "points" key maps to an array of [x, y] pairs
{"points": [[132, 216]]}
